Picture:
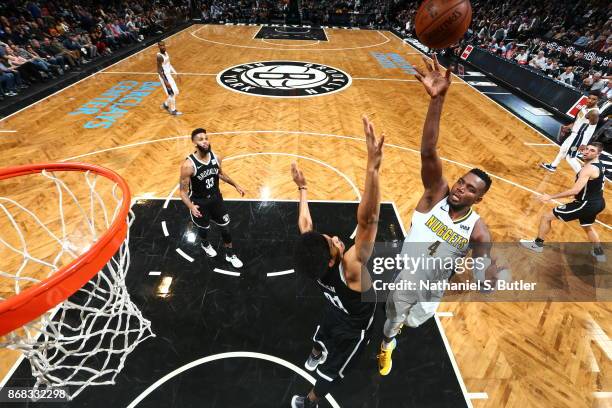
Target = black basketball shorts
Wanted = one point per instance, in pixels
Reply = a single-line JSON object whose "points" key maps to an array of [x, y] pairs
{"points": [[212, 210], [583, 211], [341, 344]]}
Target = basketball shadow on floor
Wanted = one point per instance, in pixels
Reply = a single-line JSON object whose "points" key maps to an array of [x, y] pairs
{"points": [[203, 313]]}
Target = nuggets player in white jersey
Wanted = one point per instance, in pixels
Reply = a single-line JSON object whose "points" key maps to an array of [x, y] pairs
{"points": [[444, 224], [581, 132], [165, 71], [200, 192]]}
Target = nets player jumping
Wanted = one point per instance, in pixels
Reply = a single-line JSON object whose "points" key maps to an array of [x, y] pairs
{"points": [[165, 71], [443, 225], [342, 276], [199, 185], [588, 203]]}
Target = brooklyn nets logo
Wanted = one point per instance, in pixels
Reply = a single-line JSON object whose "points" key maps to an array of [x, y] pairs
{"points": [[284, 79]]}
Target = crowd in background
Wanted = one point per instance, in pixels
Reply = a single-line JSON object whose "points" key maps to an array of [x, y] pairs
{"points": [[42, 40], [316, 12], [564, 39]]}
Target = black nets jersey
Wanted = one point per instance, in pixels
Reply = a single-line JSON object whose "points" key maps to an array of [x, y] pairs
{"points": [[593, 190], [205, 179], [343, 302]]}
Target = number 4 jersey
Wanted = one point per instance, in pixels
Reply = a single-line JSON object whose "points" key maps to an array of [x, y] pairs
{"points": [[205, 178], [437, 241]]}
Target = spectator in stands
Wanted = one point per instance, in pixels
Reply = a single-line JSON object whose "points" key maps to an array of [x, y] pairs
{"points": [[54, 48], [38, 62], [58, 60], [567, 76], [8, 86], [539, 61], [26, 69], [595, 83], [54, 66], [523, 56]]}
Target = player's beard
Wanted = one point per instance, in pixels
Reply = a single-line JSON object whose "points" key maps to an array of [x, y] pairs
{"points": [[203, 150]]}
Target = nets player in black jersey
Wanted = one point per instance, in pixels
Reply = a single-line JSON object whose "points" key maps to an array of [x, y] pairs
{"points": [[341, 274], [588, 202], [199, 184]]}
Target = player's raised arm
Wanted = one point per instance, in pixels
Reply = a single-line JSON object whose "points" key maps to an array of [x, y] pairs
{"points": [[369, 207], [304, 220], [436, 86]]}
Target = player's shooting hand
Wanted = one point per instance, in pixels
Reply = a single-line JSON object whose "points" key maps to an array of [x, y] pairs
{"points": [[298, 176], [436, 84], [195, 210], [240, 191], [375, 147]]}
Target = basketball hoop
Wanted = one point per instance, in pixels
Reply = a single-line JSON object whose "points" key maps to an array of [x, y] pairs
{"points": [[63, 299]]}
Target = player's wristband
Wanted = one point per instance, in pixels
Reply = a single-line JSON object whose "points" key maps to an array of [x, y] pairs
{"points": [[302, 188]]}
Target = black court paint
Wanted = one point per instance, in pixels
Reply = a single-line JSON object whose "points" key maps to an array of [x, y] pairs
{"points": [[207, 313], [291, 33]]}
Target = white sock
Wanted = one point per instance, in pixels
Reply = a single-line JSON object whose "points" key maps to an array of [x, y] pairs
{"points": [[387, 346]]}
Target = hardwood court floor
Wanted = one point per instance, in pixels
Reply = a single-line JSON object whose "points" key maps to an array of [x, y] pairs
{"points": [[520, 354]]}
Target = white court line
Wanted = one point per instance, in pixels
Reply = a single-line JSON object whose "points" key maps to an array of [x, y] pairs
{"points": [[497, 93], [154, 273], [184, 255], [170, 195], [539, 144], [282, 200], [90, 75], [164, 228], [292, 45], [444, 314], [387, 79], [153, 73], [193, 33], [287, 272], [602, 394], [224, 272], [233, 354], [477, 395], [289, 132], [8, 131]]}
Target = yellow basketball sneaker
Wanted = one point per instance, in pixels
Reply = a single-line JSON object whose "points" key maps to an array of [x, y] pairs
{"points": [[384, 358]]}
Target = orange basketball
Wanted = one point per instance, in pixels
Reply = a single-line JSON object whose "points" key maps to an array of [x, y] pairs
{"points": [[440, 23]]}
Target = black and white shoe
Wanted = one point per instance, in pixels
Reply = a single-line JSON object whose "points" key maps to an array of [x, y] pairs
{"points": [[548, 167], [209, 250], [599, 254], [532, 245], [236, 263], [176, 113], [313, 361], [299, 401]]}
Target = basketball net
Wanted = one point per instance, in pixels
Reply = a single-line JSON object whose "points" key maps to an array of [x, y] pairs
{"points": [[85, 339]]}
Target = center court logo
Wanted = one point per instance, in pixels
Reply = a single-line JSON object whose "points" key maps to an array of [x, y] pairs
{"points": [[284, 79]]}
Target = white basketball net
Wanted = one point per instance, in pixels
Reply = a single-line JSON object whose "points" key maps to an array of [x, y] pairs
{"points": [[86, 339]]}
